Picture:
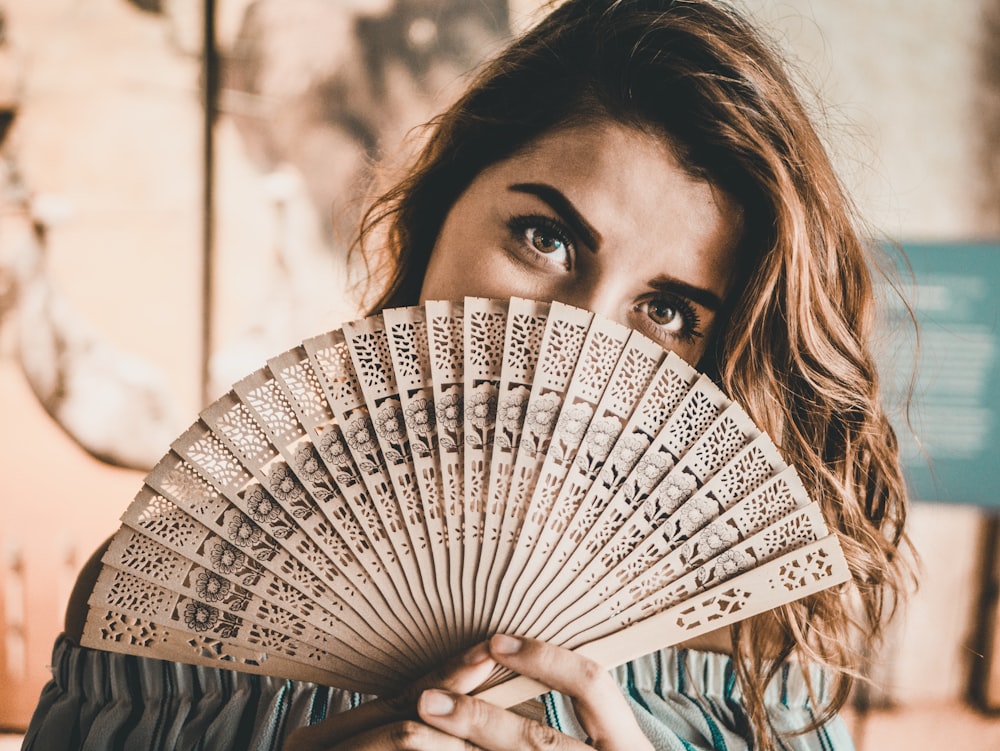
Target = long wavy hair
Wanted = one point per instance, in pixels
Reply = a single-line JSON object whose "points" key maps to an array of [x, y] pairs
{"points": [[792, 347]]}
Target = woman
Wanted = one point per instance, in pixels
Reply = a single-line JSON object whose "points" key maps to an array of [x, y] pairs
{"points": [[648, 160]]}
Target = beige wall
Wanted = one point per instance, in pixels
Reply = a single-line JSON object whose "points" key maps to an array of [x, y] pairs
{"points": [[94, 80]]}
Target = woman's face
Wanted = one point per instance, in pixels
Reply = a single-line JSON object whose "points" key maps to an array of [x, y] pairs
{"points": [[600, 216]]}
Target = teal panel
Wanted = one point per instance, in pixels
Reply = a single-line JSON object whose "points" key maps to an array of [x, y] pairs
{"points": [[951, 441]]}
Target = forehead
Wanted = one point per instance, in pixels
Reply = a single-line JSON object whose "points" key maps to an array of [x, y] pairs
{"points": [[628, 183]]}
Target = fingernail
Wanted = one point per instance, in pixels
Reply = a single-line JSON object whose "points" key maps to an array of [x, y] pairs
{"points": [[436, 702], [479, 653], [505, 645]]}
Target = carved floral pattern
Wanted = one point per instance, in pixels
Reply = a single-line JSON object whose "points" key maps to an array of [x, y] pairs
{"points": [[678, 488], [358, 435], [308, 463], [449, 411], [717, 536], [227, 558], [243, 532], [726, 565], [510, 418], [258, 493], [261, 507], [389, 423], [199, 616], [332, 447], [628, 450], [285, 485], [650, 469], [482, 409], [574, 420], [419, 417], [542, 413], [211, 587], [601, 437]]}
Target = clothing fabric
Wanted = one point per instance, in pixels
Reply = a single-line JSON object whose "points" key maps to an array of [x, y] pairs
{"points": [[100, 701], [686, 700]]}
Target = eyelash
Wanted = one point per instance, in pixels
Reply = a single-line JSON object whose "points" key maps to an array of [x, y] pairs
{"points": [[520, 225], [690, 328]]}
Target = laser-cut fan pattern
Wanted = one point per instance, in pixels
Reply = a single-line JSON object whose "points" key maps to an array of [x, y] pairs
{"points": [[387, 493]]}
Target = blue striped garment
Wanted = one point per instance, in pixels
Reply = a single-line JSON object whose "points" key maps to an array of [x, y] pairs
{"points": [[99, 701]]}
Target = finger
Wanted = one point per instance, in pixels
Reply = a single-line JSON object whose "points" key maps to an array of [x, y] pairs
{"points": [[407, 735], [489, 727], [600, 705], [461, 674]]}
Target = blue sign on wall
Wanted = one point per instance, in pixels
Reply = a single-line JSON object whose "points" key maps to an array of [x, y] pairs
{"points": [[951, 447]]}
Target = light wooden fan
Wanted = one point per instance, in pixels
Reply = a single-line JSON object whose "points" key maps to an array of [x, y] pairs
{"points": [[389, 493]]}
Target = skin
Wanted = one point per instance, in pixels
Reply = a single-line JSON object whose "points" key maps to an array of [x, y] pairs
{"points": [[601, 216], [622, 231]]}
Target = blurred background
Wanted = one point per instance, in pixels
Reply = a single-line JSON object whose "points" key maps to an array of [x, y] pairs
{"points": [[179, 180]]}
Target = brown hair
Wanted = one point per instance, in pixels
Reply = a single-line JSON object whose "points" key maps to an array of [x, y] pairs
{"points": [[793, 349]]}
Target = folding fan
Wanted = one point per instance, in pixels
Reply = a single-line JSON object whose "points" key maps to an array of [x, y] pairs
{"points": [[386, 494]]}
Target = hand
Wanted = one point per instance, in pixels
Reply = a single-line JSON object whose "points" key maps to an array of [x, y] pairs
{"points": [[376, 723], [453, 720], [597, 699]]}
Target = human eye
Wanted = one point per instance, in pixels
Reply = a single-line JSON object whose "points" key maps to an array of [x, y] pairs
{"points": [[669, 317], [541, 239]]}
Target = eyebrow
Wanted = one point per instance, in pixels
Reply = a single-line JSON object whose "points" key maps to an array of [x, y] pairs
{"points": [[560, 204], [699, 295]]}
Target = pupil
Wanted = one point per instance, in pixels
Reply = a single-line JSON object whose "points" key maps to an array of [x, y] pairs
{"points": [[662, 313], [546, 244]]}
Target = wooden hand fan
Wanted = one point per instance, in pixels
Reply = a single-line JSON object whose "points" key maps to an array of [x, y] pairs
{"points": [[387, 494]]}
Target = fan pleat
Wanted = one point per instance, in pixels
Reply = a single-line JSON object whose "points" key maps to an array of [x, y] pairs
{"points": [[386, 494]]}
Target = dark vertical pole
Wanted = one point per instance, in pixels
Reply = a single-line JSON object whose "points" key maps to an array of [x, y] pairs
{"points": [[983, 684], [210, 97]]}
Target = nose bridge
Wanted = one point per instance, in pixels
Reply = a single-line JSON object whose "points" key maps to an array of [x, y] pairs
{"points": [[600, 294]]}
